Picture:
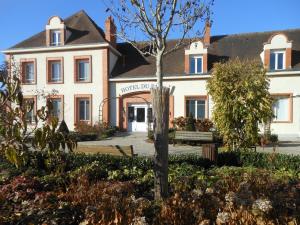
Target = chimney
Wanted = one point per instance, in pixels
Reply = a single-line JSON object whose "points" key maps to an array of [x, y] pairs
{"points": [[110, 31], [206, 38]]}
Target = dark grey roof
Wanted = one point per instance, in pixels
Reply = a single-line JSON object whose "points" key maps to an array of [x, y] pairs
{"points": [[223, 47], [83, 31]]}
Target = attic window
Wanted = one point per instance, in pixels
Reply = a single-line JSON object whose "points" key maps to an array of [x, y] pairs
{"points": [[277, 61], [55, 37], [196, 64]]}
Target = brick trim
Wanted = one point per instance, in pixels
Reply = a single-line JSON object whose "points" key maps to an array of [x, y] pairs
{"points": [[105, 77], [288, 58], [197, 97], [76, 115], [22, 62], [290, 109], [49, 69], [61, 97], [267, 53], [187, 64], [204, 62], [82, 57]]}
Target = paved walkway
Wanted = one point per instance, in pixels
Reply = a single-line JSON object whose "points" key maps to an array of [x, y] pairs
{"points": [[145, 148], [140, 144]]}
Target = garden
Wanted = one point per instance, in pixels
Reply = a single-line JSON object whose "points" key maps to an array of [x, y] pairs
{"points": [[42, 181], [240, 188]]}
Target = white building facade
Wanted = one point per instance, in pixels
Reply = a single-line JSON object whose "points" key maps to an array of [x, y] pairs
{"points": [[90, 78]]}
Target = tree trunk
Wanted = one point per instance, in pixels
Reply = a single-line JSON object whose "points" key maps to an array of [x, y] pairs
{"points": [[160, 105]]}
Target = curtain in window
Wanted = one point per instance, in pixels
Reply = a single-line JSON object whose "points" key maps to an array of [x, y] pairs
{"points": [[83, 70], [281, 109], [29, 71], [56, 71], [84, 110]]}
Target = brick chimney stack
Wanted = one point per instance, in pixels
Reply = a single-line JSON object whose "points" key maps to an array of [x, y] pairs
{"points": [[110, 31], [206, 38]]}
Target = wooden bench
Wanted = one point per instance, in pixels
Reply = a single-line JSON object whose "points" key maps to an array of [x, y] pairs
{"points": [[108, 149], [193, 136]]}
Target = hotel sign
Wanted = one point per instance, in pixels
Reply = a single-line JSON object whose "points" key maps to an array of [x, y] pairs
{"points": [[137, 87]]}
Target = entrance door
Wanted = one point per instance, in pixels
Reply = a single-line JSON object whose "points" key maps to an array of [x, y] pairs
{"points": [[138, 116]]}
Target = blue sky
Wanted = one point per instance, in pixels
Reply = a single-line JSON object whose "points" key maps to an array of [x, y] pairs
{"points": [[20, 19]]}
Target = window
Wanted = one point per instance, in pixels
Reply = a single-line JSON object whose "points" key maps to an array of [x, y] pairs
{"points": [[28, 71], [282, 108], [83, 108], [57, 107], [55, 70], [83, 69], [55, 37], [196, 64], [277, 61], [196, 106], [30, 107]]}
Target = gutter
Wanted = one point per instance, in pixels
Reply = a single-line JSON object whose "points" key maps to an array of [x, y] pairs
{"points": [[60, 48]]}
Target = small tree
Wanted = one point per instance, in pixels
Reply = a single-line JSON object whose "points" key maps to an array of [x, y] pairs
{"points": [[239, 90], [153, 20], [18, 135]]}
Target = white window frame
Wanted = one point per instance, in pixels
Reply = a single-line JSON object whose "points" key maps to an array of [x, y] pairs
{"points": [[55, 37], [276, 52], [196, 57], [196, 99], [289, 110]]}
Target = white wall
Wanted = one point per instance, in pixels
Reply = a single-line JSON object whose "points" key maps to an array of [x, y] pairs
{"points": [[69, 88], [290, 84], [278, 84]]}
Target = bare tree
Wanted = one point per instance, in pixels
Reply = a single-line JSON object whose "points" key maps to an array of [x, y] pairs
{"points": [[153, 20]]}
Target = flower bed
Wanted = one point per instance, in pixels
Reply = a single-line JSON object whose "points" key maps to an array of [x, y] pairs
{"points": [[102, 189]]}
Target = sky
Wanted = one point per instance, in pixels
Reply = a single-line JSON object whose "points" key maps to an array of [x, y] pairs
{"points": [[20, 19]]}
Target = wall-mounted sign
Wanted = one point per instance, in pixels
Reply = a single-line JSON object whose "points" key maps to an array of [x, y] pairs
{"points": [[137, 87], [141, 87]]}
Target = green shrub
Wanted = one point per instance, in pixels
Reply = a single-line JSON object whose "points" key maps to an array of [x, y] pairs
{"points": [[63, 128], [190, 124]]}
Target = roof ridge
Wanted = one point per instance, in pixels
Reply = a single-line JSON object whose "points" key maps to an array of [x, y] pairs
{"points": [[226, 35], [257, 32]]}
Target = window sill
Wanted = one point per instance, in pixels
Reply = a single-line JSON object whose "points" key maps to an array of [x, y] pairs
{"points": [[55, 82], [27, 83], [83, 82], [287, 121]]}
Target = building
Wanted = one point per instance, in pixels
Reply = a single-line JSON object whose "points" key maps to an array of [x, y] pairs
{"points": [[97, 79]]}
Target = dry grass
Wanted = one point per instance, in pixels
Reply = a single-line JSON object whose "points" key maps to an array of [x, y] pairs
{"points": [[109, 149]]}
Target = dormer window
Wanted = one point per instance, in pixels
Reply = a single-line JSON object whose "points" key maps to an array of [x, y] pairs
{"points": [[277, 54], [277, 61], [196, 58], [55, 37], [55, 32], [196, 64]]}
